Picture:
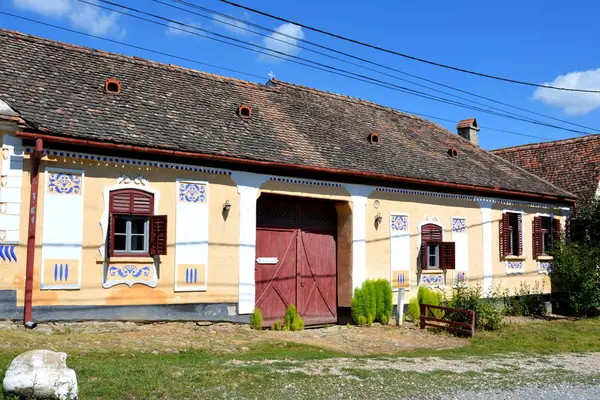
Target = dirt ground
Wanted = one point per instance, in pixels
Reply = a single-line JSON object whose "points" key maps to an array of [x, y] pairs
{"points": [[219, 338]]}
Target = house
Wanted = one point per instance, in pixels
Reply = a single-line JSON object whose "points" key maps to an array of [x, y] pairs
{"points": [[547, 160], [144, 191], [572, 164]]}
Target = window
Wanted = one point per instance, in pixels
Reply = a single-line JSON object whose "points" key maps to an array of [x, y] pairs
{"points": [[511, 238], [134, 229], [546, 232], [436, 254]]}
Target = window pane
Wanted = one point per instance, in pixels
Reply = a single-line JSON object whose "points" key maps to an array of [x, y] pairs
{"points": [[121, 223], [138, 225], [138, 242], [120, 242], [432, 252], [546, 223]]}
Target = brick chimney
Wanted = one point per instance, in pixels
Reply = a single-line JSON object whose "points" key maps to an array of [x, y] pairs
{"points": [[469, 129]]}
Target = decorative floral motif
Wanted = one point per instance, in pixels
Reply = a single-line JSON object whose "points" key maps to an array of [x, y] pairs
{"points": [[129, 270], [512, 265], [61, 271], [192, 193], [191, 275], [399, 223], [544, 267], [8, 253], [459, 225], [429, 279], [64, 183]]}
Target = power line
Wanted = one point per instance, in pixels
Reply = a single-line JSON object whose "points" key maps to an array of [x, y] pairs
{"points": [[422, 60], [311, 63], [243, 28], [239, 72]]}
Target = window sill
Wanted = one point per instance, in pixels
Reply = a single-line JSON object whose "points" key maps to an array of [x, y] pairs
{"points": [[126, 259], [432, 271], [545, 258], [515, 258]]}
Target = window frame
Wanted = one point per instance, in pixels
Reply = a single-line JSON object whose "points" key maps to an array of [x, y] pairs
{"points": [[436, 255], [129, 235], [547, 234], [130, 212], [511, 234]]}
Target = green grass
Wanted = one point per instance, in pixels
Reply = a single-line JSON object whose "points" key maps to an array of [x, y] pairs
{"points": [[200, 374]]}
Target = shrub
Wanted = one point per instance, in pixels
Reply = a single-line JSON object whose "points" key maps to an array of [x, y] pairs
{"points": [[372, 302], [256, 319], [487, 315], [576, 278], [527, 301], [277, 325], [292, 320], [414, 310], [432, 297]]}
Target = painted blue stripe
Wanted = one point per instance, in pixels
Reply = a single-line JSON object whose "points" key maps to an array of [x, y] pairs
{"points": [[195, 275], [61, 272], [55, 272], [66, 272], [2, 253], [12, 253], [187, 274]]}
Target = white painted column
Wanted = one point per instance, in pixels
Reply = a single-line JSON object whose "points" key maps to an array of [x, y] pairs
{"points": [[486, 223], [248, 185], [10, 195], [460, 238], [359, 195]]}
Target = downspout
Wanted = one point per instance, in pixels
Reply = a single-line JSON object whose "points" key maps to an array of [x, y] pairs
{"points": [[33, 199]]}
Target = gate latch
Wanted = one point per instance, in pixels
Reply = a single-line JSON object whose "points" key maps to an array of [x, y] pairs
{"points": [[267, 260]]}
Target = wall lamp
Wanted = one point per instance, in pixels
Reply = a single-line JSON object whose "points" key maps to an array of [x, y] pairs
{"points": [[226, 206], [378, 218]]}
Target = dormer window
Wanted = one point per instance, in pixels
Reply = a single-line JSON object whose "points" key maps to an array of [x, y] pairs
{"points": [[112, 85]]}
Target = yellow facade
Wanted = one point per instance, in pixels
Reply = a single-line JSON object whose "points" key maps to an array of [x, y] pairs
{"points": [[95, 279]]}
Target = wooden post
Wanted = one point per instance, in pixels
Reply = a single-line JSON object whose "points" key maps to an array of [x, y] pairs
{"points": [[472, 323], [400, 307], [422, 325]]}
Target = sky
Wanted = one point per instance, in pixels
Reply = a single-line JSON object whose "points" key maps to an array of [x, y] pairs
{"points": [[546, 42]]}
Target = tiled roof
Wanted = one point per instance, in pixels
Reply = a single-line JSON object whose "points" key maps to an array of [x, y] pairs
{"points": [[59, 88], [572, 164], [465, 123]]}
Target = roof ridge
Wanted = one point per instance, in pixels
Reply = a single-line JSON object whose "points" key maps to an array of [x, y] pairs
{"points": [[550, 143], [125, 58]]}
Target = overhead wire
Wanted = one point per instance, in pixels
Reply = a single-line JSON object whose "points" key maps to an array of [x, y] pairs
{"points": [[121, 43], [309, 63], [422, 60], [242, 23]]}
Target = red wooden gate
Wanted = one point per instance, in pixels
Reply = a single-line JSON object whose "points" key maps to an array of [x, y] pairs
{"points": [[296, 258]]}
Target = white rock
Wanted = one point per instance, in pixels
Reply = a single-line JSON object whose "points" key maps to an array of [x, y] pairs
{"points": [[41, 374]]}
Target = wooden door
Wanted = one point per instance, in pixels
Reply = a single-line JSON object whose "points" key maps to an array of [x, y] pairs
{"points": [[296, 258]]}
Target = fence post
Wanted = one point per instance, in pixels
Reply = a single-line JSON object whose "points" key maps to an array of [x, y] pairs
{"points": [[472, 323], [423, 314], [400, 307]]}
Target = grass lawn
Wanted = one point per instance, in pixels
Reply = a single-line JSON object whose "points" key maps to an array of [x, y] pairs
{"points": [[287, 370]]}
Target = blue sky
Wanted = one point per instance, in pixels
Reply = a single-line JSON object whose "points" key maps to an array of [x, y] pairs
{"points": [[538, 41]]}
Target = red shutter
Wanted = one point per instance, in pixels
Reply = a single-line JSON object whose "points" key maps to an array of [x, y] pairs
{"points": [[110, 244], [158, 235], [505, 235], [537, 237], [447, 255], [557, 230], [423, 255], [429, 233], [131, 201], [568, 229], [520, 234]]}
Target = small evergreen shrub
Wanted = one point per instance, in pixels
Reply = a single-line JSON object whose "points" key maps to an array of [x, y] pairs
{"points": [[277, 325], [292, 321], [372, 302], [414, 310], [432, 297], [487, 315], [256, 319]]}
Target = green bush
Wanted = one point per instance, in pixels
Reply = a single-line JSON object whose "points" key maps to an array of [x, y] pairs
{"points": [[414, 310], [256, 319], [487, 315], [277, 325], [576, 278], [527, 301], [372, 302], [292, 320], [432, 297]]}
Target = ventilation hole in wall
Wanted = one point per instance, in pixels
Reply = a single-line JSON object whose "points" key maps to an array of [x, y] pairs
{"points": [[245, 111], [374, 138], [112, 85], [453, 152]]}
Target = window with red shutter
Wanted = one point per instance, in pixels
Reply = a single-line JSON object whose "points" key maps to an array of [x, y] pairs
{"points": [[538, 249], [132, 228], [505, 235], [511, 237], [556, 231], [431, 237], [448, 255]]}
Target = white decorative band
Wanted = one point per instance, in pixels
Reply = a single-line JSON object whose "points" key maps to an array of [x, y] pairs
{"points": [[131, 161], [305, 181]]}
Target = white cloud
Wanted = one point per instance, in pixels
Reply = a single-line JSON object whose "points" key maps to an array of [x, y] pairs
{"points": [[83, 16], [181, 30], [572, 103], [232, 25], [281, 41], [46, 7]]}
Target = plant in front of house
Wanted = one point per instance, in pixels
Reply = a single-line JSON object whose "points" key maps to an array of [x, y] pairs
{"points": [[256, 319], [292, 321], [527, 301], [277, 325], [372, 302], [487, 315]]}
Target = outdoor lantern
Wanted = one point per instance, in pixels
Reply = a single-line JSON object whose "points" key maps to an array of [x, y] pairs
{"points": [[378, 218], [226, 206]]}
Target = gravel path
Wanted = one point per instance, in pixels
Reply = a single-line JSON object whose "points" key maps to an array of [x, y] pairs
{"points": [[559, 391]]}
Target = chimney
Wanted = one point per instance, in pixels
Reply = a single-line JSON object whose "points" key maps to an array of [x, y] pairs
{"points": [[468, 129]]}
